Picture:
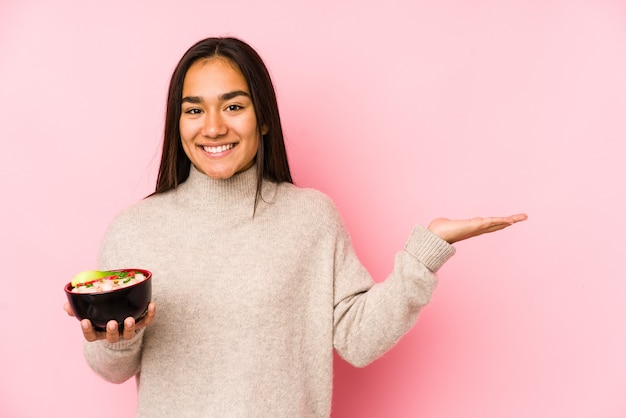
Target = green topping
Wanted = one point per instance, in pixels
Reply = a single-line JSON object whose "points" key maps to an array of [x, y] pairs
{"points": [[88, 278]]}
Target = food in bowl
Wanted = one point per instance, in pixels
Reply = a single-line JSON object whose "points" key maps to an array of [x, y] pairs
{"points": [[94, 281], [101, 296]]}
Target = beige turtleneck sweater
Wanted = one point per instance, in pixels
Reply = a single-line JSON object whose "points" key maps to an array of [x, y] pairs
{"points": [[249, 309]]}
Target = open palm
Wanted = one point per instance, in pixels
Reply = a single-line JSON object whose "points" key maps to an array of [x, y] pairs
{"points": [[453, 230]]}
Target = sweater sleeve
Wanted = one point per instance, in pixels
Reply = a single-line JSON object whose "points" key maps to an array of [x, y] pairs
{"points": [[370, 318], [114, 362]]}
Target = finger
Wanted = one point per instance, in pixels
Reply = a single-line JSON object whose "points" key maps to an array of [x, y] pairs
{"points": [[497, 224], [147, 319], [519, 217], [149, 316], [510, 219], [112, 333], [88, 332], [129, 328], [68, 309], [498, 227], [489, 225]]}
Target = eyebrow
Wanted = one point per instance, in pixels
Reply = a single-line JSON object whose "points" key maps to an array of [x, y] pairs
{"points": [[221, 97]]}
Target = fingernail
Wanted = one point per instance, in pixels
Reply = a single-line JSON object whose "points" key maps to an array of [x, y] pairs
{"points": [[84, 324], [111, 327]]}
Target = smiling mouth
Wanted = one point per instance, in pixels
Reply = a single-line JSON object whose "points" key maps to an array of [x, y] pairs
{"points": [[218, 149]]}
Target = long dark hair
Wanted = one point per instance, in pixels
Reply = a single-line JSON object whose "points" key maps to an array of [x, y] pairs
{"points": [[271, 157]]}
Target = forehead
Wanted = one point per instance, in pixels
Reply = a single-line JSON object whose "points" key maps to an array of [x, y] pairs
{"points": [[214, 74]]}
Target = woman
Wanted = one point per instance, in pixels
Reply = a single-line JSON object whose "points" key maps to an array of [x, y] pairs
{"points": [[256, 280]]}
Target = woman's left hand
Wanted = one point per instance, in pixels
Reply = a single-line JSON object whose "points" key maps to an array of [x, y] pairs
{"points": [[457, 230]]}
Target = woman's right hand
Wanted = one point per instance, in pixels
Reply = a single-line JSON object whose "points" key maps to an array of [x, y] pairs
{"points": [[112, 334]]}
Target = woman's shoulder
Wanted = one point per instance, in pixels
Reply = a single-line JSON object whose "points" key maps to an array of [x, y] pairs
{"points": [[308, 203], [151, 207], [305, 196]]}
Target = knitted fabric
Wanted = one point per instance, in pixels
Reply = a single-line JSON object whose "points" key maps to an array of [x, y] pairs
{"points": [[249, 309]]}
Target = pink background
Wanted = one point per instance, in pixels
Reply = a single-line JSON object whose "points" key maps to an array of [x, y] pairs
{"points": [[401, 111]]}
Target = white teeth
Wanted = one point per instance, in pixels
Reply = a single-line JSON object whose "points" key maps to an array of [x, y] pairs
{"points": [[221, 148]]}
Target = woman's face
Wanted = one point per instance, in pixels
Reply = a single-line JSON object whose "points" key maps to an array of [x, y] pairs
{"points": [[218, 126]]}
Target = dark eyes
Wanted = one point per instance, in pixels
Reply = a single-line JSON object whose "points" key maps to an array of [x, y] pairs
{"points": [[229, 108]]}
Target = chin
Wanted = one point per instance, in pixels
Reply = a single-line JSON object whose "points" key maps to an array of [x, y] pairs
{"points": [[220, 174], [223, 172]]}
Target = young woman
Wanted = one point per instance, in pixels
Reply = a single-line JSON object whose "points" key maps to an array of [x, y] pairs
{"points": [[256, 280]]}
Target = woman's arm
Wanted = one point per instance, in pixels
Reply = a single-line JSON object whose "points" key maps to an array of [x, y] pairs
{"points": [[115, 355], [370, 318]]}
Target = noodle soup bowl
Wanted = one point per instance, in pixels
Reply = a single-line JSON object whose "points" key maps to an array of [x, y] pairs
{"points": [[116, 304]]}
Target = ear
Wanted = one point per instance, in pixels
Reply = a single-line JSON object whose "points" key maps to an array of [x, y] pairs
{"points": [[264, 129]]}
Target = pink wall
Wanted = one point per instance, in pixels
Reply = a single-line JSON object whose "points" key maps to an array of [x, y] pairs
{"points": [[401, 113]]}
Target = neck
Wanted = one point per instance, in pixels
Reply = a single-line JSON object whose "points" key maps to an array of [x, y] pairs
{"points": [[238, 191]]}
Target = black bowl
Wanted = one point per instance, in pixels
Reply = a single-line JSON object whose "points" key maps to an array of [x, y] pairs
{"points": [[118, 304]]}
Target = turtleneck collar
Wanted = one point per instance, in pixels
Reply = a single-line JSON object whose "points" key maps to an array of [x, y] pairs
{"points": [[236, 192]]}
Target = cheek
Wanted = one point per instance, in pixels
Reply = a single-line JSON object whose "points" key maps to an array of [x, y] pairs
{"points": [[253, 142], [183, 129], [186, 148], [185, 138], [251, 132]]}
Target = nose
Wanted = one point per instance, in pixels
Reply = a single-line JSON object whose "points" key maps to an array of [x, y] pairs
{"points": [[214, 125]]}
